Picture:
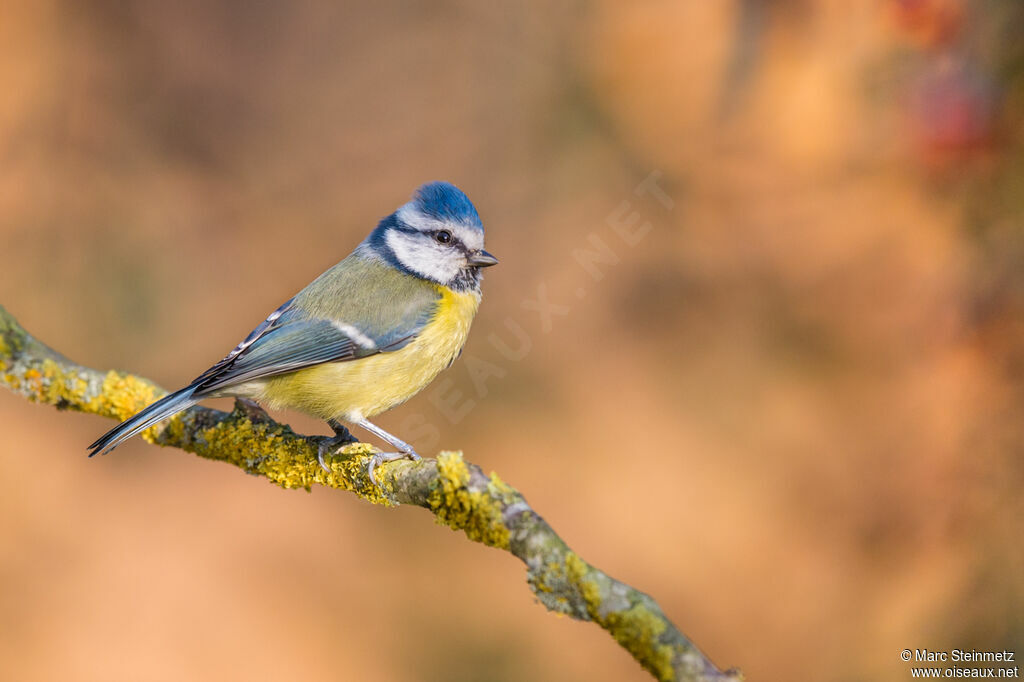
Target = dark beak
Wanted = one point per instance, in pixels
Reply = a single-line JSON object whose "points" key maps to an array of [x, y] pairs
{"points": [[482, 259]]}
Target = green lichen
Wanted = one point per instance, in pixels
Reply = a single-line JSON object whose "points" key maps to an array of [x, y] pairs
{"points": [[550, 583], [637, 629], [478, 513], [553, 572], [501, 491], [11, 336]]}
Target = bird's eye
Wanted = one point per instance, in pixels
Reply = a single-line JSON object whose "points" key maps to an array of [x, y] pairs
{"points": [[443, 236]]}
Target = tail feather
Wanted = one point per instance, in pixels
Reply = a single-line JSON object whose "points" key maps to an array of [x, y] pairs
{"points": [[167, 406]]}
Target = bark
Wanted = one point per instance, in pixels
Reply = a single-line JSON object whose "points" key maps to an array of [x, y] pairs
{"points": [[457, 492]]}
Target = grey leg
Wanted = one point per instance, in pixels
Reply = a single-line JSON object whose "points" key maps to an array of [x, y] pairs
{"points": [[405, 450], [340, 431], [341, 437], [252, 410]]}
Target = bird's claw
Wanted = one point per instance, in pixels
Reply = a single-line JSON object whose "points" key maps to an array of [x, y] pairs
{"points": [[332, 446], [321, 450], [342, 437], [382, 457]]}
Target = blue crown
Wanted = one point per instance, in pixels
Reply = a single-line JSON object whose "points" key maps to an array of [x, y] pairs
{"points": [[445, 201]]}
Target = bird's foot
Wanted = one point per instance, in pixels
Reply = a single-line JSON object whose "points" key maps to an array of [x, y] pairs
{"points": [[382, 457], [341, 438]]}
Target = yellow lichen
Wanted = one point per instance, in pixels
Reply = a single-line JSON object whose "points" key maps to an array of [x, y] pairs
{"points": [[259, 448], [173, 431], [50, 383], [577, 569], [11, 340], [34, 378], [123, 395], [61, 387], [348, 471], [552, 572], [501, 490], [637, 629], [475, 512]]}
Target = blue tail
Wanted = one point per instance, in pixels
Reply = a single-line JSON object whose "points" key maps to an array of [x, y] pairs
{"points": [[168, 406]]}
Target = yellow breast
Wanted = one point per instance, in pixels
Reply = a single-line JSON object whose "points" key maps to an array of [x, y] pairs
{"points": [[371, 385]]}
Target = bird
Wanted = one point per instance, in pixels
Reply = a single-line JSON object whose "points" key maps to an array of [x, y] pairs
{"points": [[365, 336]]}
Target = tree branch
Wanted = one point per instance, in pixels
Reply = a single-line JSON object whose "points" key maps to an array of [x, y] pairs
{"points": [[458, 493]]}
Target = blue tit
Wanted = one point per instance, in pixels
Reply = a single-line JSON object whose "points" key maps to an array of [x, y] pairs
{"points": [[363, 337]]}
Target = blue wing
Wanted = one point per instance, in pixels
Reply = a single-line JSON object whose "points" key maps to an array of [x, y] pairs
{"points": [[358, 308], [253, 336], [289, 340]]}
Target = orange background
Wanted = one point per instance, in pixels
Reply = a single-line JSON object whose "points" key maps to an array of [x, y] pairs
{"points": [[791, 411]]}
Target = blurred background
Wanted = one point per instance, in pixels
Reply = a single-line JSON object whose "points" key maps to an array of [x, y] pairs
{"points": [[755, 345]]}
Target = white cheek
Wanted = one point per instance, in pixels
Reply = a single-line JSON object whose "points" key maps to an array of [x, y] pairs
{"points": [[426, 259]]}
